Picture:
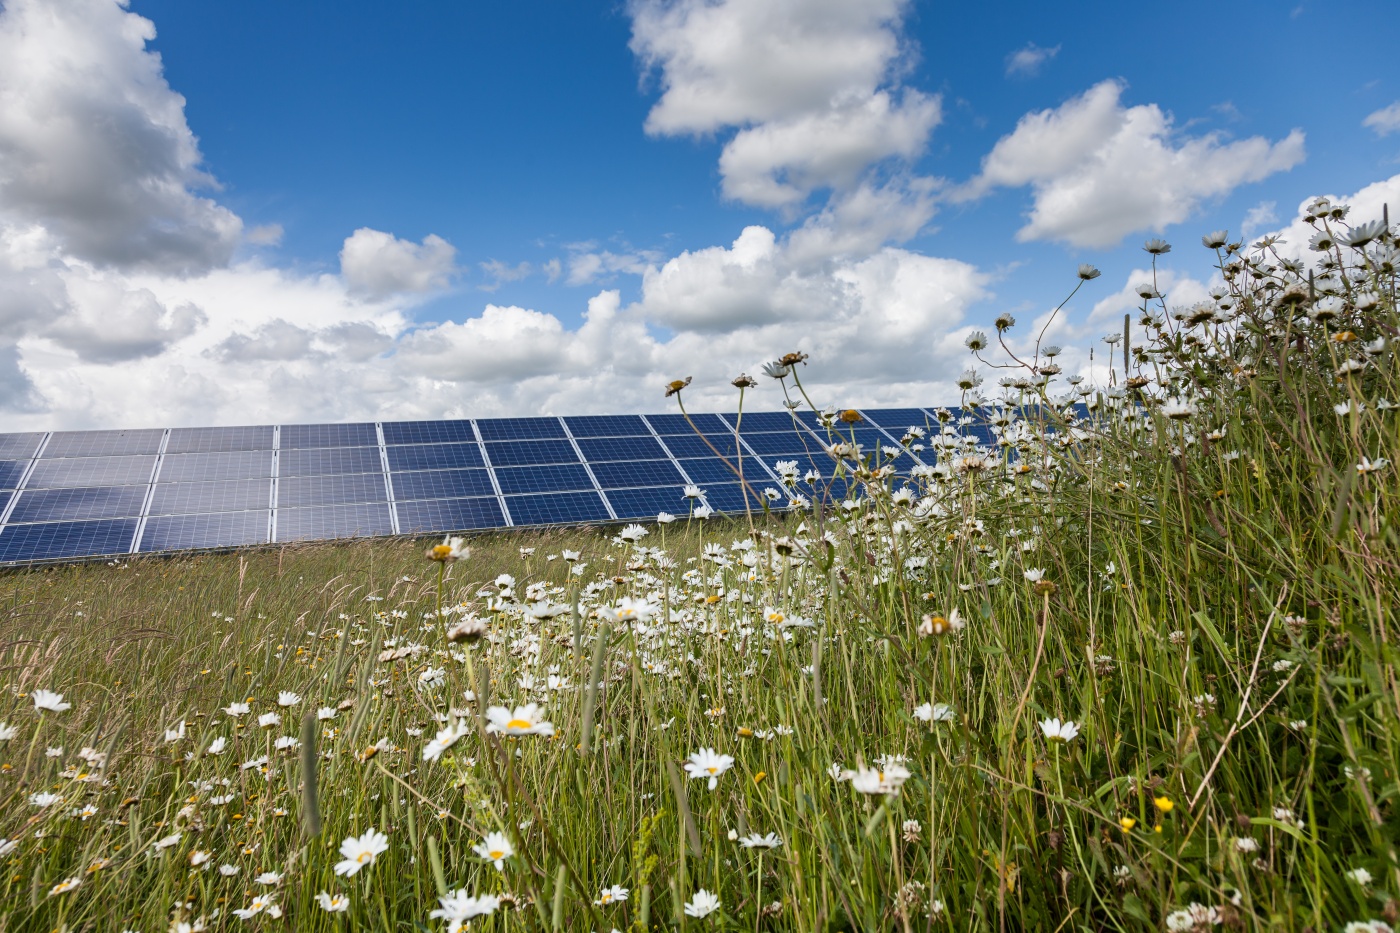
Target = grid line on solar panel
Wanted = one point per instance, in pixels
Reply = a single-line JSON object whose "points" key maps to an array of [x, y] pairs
{"points": [[743, 443], [209, 467], [219, 440], [91, 471], [760, 421], [226, 529], [897, 420], [646, 502], [19, 446], [602, 450], [441, 515], [427, 432], [558, 508], [333, 521], [530, 453], [520, 429], [563, 477], [103, 443], [434, 456], [441, 484], [637, 473], [583, 426], [226, 496], [326, 461], [74, 504], [303, 436], [667, 425], [573, 442], [55, 540], [330, 489]]}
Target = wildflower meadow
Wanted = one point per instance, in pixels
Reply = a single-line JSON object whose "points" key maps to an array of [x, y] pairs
{"points": [[1131, 666]]}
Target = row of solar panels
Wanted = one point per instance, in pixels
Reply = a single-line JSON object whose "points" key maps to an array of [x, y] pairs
{"points": [[80, 494]]}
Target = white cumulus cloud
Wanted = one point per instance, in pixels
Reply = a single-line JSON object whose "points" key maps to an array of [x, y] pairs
{"points": [[378, 264], [1384, 121], [1100, 170], [1028, 61]]}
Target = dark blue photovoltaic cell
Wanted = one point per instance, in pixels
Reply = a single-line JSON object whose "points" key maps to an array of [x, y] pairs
{"points": [[19, 446], [337, 489], [227, 496], [557, 508], [606, 426], [519, 429], [729, 497], [529, 453], [442, 484], [896, 420], [327, 461], [810, 419], [228, 529], [91, 471], [682, 445], [11, 471], [676, 424], [558, 478], [449, 515], [782, 442], [103, 443], [427, 432], [637, 473], [218, 440], [333, 521], [61, 505], [434, 456], [762, 421], [598, 450], [66, 539], [211, 467], [646, 503], [704, 470], [298, 436]]}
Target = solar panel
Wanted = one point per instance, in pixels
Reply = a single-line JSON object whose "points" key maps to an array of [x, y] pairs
{"points": [[91, 471], [441, 484], [440, 515], [713, 470], [607, 426], [598, 450], [646, 503], [530, 453], [518, 429], [557, 508], [11, 471], [434, 456], [301, 436], [332, 489], [427, 432], [91, 492], [227, 529], [103, 443], [56, 505], [228, 496], [333, 521], [54, 540], [212, 440], [636, 473], [320, 462], [676, 424], [19, 446], [554, 478]]}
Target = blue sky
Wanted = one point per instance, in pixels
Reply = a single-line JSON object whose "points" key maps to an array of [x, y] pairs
{"points": [[511, 165]]}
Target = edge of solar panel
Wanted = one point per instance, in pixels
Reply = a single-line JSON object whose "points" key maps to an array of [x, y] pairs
{"points": [[185, 486]]}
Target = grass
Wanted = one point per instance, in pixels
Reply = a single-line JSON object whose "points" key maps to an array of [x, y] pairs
{"points": [[1198, 571]]}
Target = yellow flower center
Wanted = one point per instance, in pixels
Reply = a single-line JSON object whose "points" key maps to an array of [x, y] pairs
{"points": [[518, 724], [364, 857], [712, 770], [497, 854]]}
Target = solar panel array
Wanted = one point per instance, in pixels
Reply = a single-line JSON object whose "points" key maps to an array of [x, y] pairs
{"points": [[84, 494]]}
